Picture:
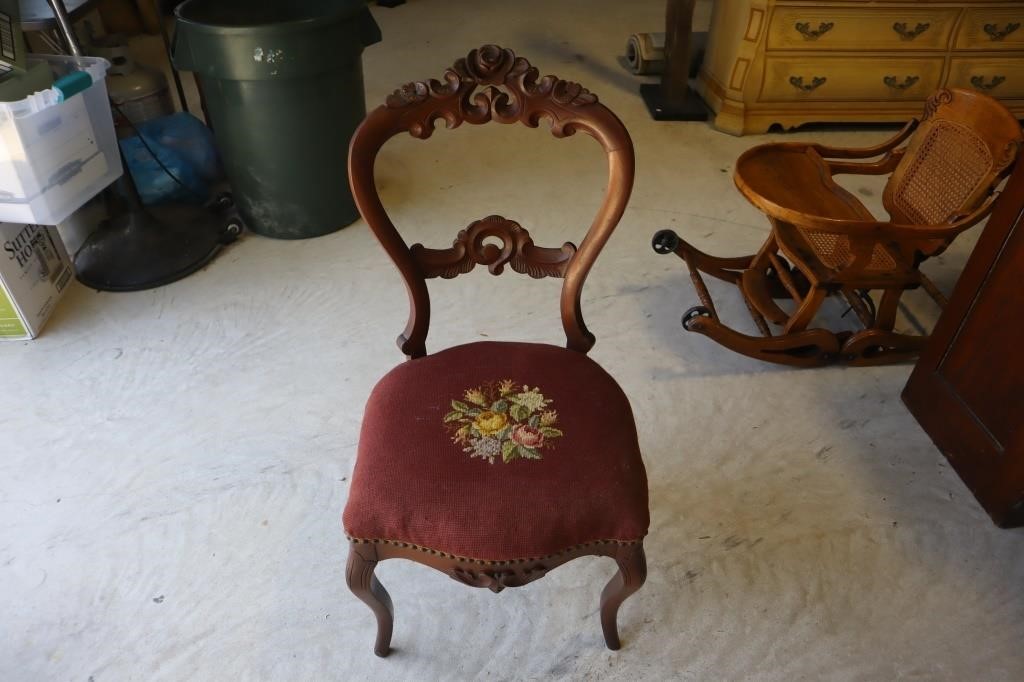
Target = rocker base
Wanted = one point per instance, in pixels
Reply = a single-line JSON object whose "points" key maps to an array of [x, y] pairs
{"points": [[806, 348]]}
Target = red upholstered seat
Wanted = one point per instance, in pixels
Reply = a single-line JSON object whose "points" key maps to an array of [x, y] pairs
{"points": [[538, 454]]}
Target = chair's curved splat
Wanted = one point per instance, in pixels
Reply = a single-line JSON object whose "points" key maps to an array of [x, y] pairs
{"points": [[472, 248], [492, 84]]}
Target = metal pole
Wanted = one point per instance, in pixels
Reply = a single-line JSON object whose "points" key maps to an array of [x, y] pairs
{"points": [[60, 13], [678, 27], [672, 99], [170, 60]]}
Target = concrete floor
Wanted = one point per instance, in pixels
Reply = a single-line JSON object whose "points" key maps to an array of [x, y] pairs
{"points": [[175, 461]]}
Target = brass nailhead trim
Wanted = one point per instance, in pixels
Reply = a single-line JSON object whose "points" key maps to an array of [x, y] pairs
{"points": [[435, 552]]}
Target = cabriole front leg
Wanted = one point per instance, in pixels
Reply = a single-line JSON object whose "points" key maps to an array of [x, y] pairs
{"points": [[362, 560], [631, 576]]}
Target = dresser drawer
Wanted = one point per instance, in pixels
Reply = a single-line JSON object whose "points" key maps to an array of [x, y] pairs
{"points": [[794, 79], [841, 28], [1001, 77], [990, 28]]}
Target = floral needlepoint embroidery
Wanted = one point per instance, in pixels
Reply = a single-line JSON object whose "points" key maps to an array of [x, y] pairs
{"points": [[503, 419]]}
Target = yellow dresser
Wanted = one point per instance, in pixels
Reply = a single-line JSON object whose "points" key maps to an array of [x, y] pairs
{"points": [[789, 62]]}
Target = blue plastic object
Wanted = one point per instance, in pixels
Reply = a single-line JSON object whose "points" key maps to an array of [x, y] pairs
{"points": [[185, 148]]}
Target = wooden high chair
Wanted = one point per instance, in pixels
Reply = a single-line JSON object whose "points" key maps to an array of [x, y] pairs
{"points": [[823, 241]]}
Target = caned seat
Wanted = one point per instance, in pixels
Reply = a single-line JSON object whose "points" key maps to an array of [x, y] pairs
{"points": [[495, 462]]}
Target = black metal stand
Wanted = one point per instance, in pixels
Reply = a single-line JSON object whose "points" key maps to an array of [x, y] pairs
{"points": [[691, 108], [672, 99], [147, 248]]}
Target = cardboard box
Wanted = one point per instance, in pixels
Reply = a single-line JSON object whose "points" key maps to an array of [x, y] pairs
{"points": [[34, 272]]}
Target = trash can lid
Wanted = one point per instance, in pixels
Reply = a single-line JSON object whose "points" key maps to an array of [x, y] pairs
{"points": [[271, 39], [229, 16]]}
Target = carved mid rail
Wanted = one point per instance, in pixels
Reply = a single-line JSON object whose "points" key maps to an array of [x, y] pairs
{"points": [[471, 248]]}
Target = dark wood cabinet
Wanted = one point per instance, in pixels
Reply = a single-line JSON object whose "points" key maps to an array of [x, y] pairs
{"points": [[967, 390]]}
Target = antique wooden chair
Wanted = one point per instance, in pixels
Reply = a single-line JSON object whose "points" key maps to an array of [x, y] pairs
{"points": [[495, 462], [824, 241]]}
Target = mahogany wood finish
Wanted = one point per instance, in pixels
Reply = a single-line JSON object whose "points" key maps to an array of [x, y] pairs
{"points": [[493, 575], [966, 389], [517, 250], [491, 84], [823, 241]]}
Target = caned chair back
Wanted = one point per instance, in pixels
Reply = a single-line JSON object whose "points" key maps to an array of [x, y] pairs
{"points": [[966, 143]]}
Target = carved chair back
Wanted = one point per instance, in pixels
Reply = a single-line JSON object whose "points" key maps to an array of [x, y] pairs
{"points": [[966, 143], [492, 84]]}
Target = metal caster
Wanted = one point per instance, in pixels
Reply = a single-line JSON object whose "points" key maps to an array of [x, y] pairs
{"points": [[693, 313], [665, 241]]}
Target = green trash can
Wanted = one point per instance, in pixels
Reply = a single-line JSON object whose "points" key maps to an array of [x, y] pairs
{"points": [[282, 81]]}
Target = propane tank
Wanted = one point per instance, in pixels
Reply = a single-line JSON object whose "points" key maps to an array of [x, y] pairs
{"points": [[139, 91]]}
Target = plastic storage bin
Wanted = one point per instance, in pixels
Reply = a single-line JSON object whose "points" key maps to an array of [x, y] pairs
{"points": [[56, 155]]}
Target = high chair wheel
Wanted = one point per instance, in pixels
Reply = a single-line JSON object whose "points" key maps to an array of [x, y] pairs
{"points": [[693, 313], [665, 241]]}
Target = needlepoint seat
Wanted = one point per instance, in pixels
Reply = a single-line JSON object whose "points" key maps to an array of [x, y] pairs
{"points": [[579, 479]]}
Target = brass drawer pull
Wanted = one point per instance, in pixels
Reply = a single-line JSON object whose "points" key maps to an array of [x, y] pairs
{"points": [[994, 33], [909, 34], [894, 83], [813, 34], [979, 82], [798, 83]]}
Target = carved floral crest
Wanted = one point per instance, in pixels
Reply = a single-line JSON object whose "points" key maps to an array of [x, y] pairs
{"points": [[937, 99], [944, 97], [490, 83]]}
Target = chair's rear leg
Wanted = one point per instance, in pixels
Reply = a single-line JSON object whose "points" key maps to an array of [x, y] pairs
{"points": [[755, 285], [803, 315], [932, 290], [755, 288], [861, 304], [364, 584], [885, 319], [631, 576]]}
